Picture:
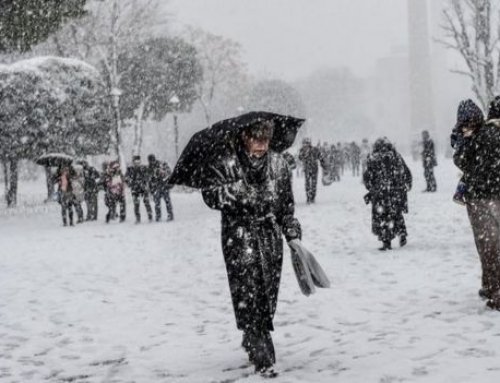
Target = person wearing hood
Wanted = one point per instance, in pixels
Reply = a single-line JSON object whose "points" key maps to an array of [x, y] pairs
{"points": [[114, 184], [388, 180], [477, 150], [257, 208]]}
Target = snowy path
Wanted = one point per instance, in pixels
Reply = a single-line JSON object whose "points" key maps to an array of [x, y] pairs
{"points": [[150, 303]]}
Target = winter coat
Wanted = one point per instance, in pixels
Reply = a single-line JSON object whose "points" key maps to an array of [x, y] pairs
{"points": [[137, 178], [159, 172], [388, 179], [91, 176], [310, 156], [257, 208], [114, 184], [429, 154], [78, 183], [478, 157]]}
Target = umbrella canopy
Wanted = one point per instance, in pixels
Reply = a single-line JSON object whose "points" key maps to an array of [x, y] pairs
{"points": [[54, 159], [221, 138]]}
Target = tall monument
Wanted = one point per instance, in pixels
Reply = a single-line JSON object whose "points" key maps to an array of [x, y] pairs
{"points": [[421, 95]]}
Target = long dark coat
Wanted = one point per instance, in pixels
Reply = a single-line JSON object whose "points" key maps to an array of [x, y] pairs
{"points": [[252, 232], [137, 178], [310, 157], [388, 179], [429, 154]]}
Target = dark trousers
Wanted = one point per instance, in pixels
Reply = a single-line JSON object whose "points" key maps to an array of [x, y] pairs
{"points": [[311, 184], [112, 201], [66, 201], [91, 201], [430, 179], [484, 217], [137, 210], [399, 224], [158, 196], [79, 211], [355, 168]]}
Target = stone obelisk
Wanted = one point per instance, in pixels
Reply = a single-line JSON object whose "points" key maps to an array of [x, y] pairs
{"points": [[421, 95]]}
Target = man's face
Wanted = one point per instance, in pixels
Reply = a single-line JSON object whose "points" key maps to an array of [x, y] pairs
{"points": [[136, 162], [256, 147]]}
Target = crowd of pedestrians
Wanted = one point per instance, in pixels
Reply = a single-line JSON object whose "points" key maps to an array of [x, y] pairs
{"points": [[80, 183]]}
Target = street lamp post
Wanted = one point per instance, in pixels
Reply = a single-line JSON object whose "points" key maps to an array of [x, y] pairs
{"points": [[174, 100], [115, 95]]}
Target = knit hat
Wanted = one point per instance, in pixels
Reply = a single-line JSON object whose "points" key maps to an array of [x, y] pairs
{"points": [[469, 113]]}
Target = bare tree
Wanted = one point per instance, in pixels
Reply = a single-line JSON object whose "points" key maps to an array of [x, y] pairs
{"points": [[222, 67], [99, 38], [472, 29]]}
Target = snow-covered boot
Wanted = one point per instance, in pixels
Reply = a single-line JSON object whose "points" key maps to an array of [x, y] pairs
{"points": [[484, 293], [402, 240], [386, 245]]}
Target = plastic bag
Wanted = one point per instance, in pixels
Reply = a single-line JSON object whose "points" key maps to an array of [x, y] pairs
{"points": [[308, 271]]}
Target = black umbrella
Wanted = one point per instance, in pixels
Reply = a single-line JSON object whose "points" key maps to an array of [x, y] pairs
{"points": [[54, 159], [221, 138]]}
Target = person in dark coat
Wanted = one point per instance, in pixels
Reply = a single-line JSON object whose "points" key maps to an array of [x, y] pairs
{"points": [[429, 162], [388, 180], [355, 158], [477, 153], [310, 156], [91, 190], [159, 187], [257, 208], [137, 178], [114, 184]]}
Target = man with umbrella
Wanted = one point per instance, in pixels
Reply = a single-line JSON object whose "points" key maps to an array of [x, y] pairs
{"points": [[248, 180]]}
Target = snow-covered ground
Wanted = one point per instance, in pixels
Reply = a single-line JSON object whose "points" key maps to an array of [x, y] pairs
{"points": [[150, 302]]}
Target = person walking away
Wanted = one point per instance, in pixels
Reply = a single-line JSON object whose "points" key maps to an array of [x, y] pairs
{"points": [[159, 172], [334, 162], [364, 153], [78, 186], [388, 180], [476, 153], [257, 208], [65, 194], [115, 190], [91, 176], [310, 156], [429, 161], [137, 178], [355, 159], [341, 158]]}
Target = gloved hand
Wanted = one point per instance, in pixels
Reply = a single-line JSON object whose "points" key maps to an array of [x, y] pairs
{"points": [[367, 198], [291, 228]]}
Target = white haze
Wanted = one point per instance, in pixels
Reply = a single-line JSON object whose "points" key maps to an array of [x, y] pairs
{"points": [[305, 41]]}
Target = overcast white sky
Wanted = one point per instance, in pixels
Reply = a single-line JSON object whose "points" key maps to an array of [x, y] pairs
{"points": [[291, 38]]}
